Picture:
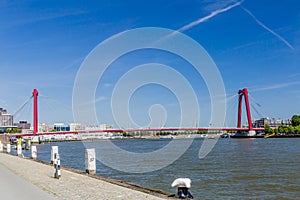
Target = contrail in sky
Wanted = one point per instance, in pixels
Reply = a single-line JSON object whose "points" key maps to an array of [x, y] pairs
{"points": [[211, 15], [268, 29], [275, 86], [203, 19], [219, 11]]}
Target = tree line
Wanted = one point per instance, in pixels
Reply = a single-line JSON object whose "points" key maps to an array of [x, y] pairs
{"points": [[293, 129]]}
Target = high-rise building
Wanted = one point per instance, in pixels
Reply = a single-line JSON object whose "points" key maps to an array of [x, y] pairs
{"points": [[6, 119]]}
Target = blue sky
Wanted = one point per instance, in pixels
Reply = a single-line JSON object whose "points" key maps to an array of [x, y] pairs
{"points": [[255, 44]]}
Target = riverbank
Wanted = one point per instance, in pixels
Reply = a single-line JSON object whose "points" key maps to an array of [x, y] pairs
{"points": [[264, 136], [73, 184]]}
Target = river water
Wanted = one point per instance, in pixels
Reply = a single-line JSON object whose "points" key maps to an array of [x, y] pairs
{"points": [[234, 169]]}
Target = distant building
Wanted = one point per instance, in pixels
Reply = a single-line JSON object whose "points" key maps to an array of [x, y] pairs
{"points": [[99, 127], [106, 126], [3, 111], [273, 122], [76, 127], [261, 123], [61, 127], [6, 120], [23, 125], [44, 127]]}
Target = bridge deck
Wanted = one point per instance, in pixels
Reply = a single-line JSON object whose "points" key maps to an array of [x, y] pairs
{"points": [[141, 130]]}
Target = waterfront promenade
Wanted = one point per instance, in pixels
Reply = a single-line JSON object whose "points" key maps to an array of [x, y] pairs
{"points": [[26, 179]]}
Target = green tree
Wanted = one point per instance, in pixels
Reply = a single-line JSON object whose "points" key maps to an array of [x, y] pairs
{"points": [[13, 130], [291, 129], [268, 129], [297, 129], [296, 120], [281, 129], [202, 132], [286, 129]]}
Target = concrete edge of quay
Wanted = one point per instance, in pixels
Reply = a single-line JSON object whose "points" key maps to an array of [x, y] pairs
{"points": [[132, 186]]}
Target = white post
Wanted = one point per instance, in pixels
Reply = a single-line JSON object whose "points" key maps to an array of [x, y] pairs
{"points": [[54, 150], [90, 161], [33, 152], [1, 147], [19, 150], [56, 165], [28, 144], [8, 148]]}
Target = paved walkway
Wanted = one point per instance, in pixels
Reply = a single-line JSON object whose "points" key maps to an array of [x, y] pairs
{"points": [[13, 187], [25, 179]]}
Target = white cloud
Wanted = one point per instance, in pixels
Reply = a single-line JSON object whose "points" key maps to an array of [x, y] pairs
{"points": [[73, 63], [108, 84], [294, 75], [41, 16], [101, 98]]}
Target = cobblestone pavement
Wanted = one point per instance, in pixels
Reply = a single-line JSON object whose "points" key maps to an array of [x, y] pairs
{"points": [[39, 179]]}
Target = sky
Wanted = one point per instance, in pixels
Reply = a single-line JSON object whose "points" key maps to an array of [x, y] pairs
{"points": [[254, 44]]}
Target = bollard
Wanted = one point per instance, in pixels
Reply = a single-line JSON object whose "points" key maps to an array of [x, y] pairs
{"points": [[57, 173], [90, 161], [54, 150], [33, 152], [8, 148], [19, 150], [1, 147], [19, 142], [183, 185], [28, 144]]}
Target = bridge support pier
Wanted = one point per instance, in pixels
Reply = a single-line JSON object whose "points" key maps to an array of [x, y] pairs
{"points": [[252, 133]]}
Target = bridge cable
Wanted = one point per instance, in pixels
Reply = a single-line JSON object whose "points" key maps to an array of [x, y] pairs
{"points": [[231, 110], [67, 107], [53, 104], [22, 106], [260, 114]]}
